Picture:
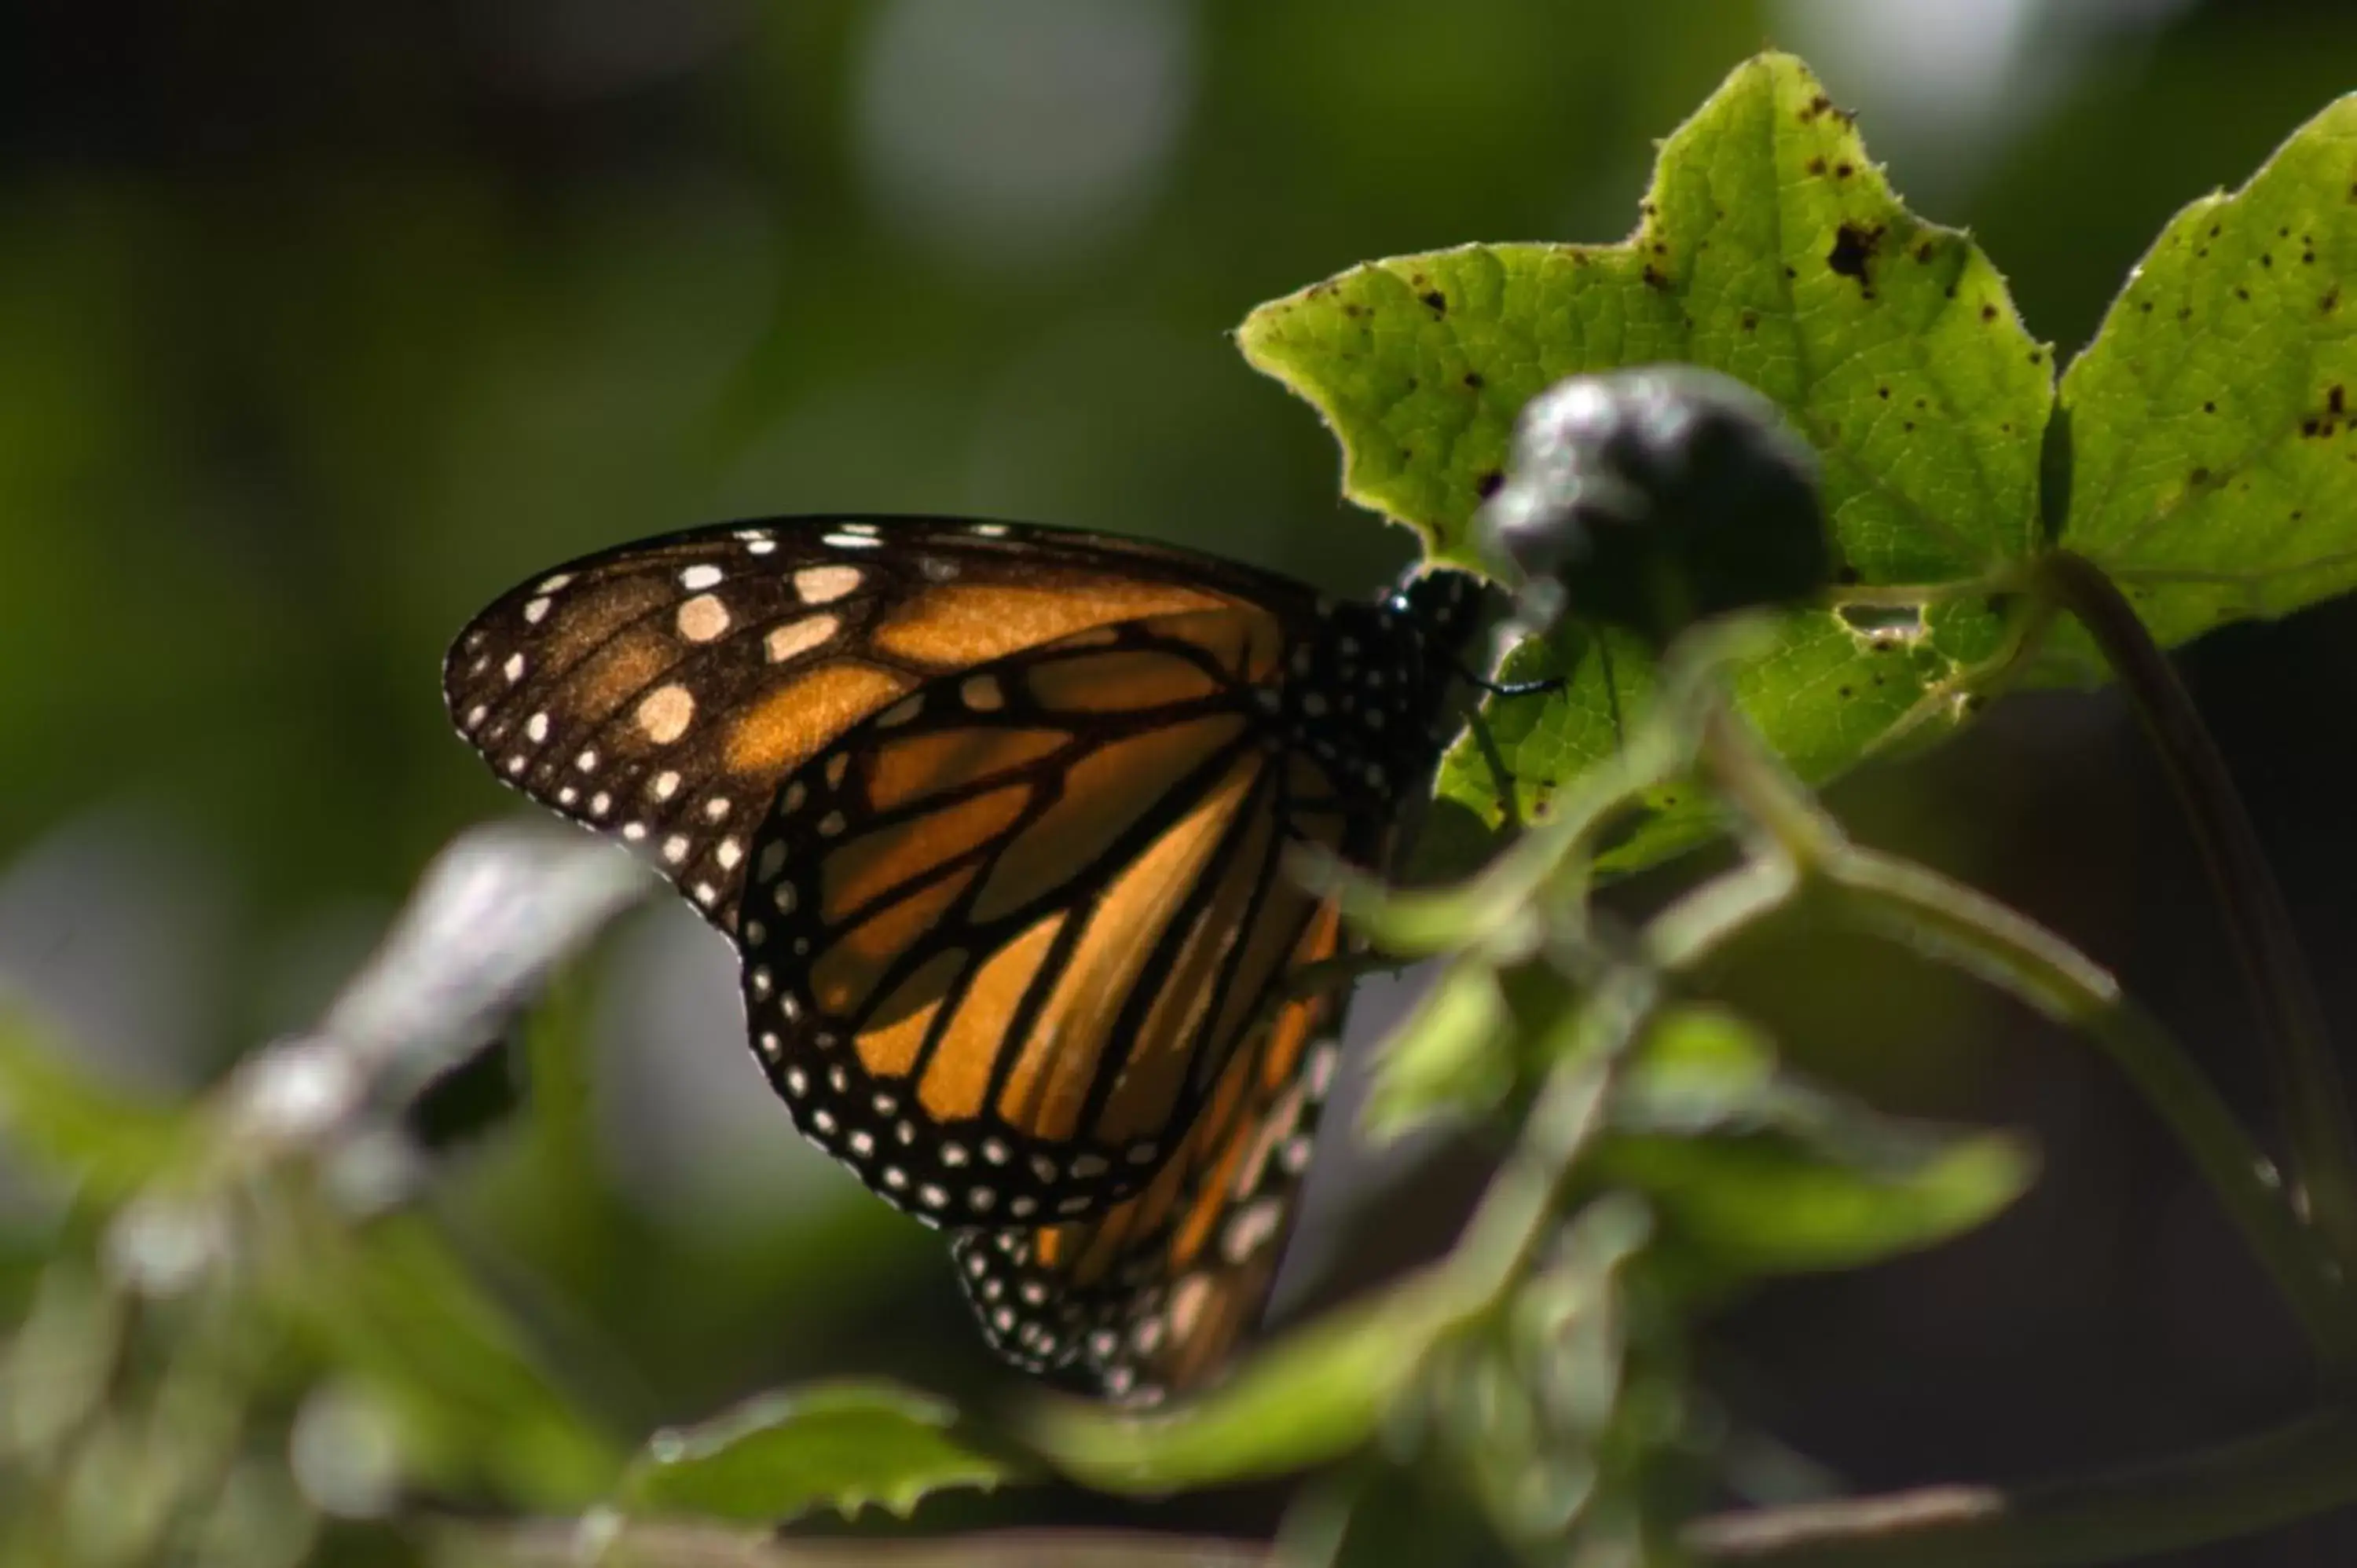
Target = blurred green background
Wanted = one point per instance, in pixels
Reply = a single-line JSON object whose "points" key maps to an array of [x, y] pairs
{"points": [[319, 325]]}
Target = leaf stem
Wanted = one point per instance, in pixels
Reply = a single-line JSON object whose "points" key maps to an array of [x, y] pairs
{"points": [[2289, 1472], [2259, 929], [1920, 907]]}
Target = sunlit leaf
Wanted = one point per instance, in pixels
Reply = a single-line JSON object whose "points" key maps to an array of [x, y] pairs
{"points": [[781, 1454], [1772, 249], [2214, 420]]}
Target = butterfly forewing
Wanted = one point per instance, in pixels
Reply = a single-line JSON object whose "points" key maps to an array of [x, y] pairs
{"points": [[661, 691]]}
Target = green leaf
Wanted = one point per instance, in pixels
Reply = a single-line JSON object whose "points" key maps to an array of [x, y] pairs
{"points": [[782, 1454], [1310, 1397], [1772, 249], [390, 1310], [2213, 453], [1829, 690], [1759, 1173], [1451, 1053], [1699, 1068], [1767, 1204], [57, 1115]]}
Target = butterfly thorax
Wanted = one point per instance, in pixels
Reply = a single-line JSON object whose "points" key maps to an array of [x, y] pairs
{"points": [[1365, 699]]}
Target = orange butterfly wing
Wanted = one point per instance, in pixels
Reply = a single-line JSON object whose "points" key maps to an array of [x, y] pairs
{"points": [[997, 816], [661, 691], [1002, 940], [1151, 1298]]}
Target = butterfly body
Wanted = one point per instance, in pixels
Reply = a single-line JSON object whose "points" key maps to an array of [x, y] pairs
{"points": [[998, 818]]}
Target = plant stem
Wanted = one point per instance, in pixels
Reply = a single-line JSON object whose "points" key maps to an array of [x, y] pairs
{"points": [[1979, 934], [2259, 927], [559, 1543], [2290, 1473]]}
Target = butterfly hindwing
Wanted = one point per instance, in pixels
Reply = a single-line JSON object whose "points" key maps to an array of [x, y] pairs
{"points": [[1150, 1298], [1002, 940]]}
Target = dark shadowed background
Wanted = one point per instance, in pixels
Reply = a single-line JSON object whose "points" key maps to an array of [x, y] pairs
{"points": [[321, 325]]}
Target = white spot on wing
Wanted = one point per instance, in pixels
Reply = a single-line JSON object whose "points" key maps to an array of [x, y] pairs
{"points": [[797, 636], [703, 617], [825, 585], [665, 713]]}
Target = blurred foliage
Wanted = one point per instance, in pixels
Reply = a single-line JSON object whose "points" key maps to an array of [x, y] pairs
{"points": [[317, 331]]}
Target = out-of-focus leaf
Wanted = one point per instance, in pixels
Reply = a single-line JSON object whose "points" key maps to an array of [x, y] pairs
{"points": [[1770, 248], [1452, 1054], [781, 1454], [390, 1310], [1309, 1397], [54, 1113], [1761, 1175], [54, 1369], [2214, 420], [1699, 1067]]}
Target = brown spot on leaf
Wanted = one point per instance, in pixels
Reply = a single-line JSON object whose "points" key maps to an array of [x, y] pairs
{"points": [[2331, 300], [2335, 399], [1654, 277], [1816, 165], [1749, 320], [1926, 251], [1854, 247], [1487, 484], [2199, 478], [1473, 379], [1844, 170], [1437, 301], [1988, 313]]}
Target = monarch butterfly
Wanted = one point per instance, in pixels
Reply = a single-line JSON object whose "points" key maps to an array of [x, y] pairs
{"points": [[996, 816]]}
